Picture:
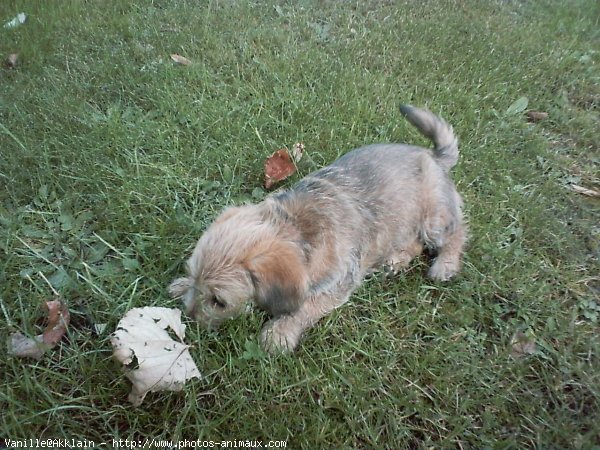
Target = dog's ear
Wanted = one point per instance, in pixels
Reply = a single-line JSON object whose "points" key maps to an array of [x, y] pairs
{"points": [[279, 276], [180, 286]]}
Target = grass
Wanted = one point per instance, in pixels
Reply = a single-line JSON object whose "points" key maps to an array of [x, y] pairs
{"points": [[113, 160]]}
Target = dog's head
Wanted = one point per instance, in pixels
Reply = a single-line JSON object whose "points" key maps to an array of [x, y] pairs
{"points": [[243, 256]]}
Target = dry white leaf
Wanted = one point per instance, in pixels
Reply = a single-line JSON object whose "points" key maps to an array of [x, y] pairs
{"points": [[297, 151], [584, 191], [522, 345], [180, 59], [18, 20], [24, 347], [11, 61], [163, 364]]}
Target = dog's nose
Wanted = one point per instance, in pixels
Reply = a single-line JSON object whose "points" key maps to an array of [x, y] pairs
{"points": [[192, 310]]}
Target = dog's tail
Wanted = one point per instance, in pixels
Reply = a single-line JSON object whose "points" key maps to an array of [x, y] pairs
{"points": [[436, 129]]}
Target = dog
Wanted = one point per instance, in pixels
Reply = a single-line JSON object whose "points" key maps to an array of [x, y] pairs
{"points": [[300, 253]]}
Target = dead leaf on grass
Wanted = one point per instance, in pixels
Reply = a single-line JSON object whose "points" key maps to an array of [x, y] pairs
{"points": [[522, 345], [180, 59], [25, 347], [536, 116], [297, 152], [584, 191], [58, 321], [160, 363], [278, 167], [11, 61], [19, 19]]}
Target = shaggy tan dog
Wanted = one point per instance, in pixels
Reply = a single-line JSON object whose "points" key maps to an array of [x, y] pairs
{"points": [[300, 253]]}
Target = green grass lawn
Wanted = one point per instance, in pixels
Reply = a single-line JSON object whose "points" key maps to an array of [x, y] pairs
{"points": [[113, 159]]}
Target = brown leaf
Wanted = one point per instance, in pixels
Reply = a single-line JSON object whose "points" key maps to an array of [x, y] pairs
{"points": [[180, 59], [536, 116], [522, 345], [278, 167], [11, 61], [58, 321]]}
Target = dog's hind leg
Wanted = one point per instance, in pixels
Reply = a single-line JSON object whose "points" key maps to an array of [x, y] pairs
{"points": [[282, 334], [444, 231], [449, 252]]}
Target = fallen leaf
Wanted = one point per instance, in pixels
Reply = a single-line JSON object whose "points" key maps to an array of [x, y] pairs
{"points": [[58, 321], [11, 61], [522, 345], [278, 167], [536, 116], [584, 191], [180, 59], [163, 364], [297, 151], [19, 19], [25, 347]]}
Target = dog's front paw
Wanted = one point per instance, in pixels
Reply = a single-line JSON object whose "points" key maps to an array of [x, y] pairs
{"points": [[443, 270], [279, 336], [392, 269], [401, 260]]}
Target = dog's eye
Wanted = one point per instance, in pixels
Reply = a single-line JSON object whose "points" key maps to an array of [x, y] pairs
{"points": [[218, 303]]}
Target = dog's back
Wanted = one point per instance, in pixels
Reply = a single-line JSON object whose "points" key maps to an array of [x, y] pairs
{"points": [[392, 191]]}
